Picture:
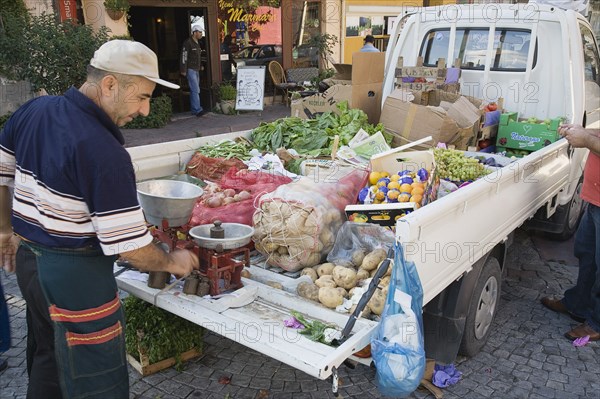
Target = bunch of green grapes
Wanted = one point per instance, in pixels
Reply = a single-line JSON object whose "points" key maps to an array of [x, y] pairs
{"points": [[455, 166]]}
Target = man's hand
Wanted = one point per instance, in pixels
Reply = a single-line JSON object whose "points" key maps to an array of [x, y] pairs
{"points": [[580, 137], [182, 262], [8, 251], [184, 73]]}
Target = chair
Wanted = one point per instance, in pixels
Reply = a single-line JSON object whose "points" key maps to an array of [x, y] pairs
{"points": [[279, 81]]}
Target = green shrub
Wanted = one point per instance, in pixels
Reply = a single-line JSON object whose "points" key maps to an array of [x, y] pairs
{"points": [[3, 119], [117, 5], [227, 92], [159, 116], [14, 22], [158, 333], [51, 55]]}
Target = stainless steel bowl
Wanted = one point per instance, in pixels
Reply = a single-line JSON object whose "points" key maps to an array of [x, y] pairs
{"points": [[236, 235], [168, 200]]}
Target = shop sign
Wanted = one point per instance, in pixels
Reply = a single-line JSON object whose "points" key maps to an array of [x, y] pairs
{"points": [[68, 10], [239, 15]]}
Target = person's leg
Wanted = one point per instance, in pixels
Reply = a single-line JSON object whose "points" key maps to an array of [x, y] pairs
{"points": [[578, 298], [88, 320], [593, 311], [194, 83], [41, 359]]}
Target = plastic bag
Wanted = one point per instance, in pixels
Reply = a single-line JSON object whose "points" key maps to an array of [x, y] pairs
{"points": [[359, 237], [255, 182], [295, 226], [397, 347]]}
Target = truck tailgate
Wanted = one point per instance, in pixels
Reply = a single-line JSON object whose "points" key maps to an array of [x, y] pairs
{"points": [[254, 316]]}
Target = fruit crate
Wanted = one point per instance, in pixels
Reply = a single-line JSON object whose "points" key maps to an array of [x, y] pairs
{"points": [[526, 135]]}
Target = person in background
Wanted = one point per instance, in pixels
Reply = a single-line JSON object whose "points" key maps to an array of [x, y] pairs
{"points": [[190, 65], [582, 302], [226, 65], [369, 47], [75, 210]]}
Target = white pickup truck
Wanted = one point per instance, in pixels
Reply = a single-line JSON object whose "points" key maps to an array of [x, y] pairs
{"points": [[459, 242]]}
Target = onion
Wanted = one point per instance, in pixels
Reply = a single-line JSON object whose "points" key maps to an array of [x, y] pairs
{"points": [[213, 202], [228, 200], [244, 195], [230, 192]]}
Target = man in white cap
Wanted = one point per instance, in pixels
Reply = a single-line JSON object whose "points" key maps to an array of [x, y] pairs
{"points": [[190, 66], [74, 211]]}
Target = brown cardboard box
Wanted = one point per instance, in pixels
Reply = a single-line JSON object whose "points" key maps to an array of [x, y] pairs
{"points": [[424, 78], [411, 115], [410, 121], [364, 92]]}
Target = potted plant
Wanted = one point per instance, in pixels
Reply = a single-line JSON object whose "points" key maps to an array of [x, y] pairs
{"points": [[116, 8], [227, 97]]}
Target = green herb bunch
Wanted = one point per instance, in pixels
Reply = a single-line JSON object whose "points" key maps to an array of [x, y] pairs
{"points": [[158, 333]]}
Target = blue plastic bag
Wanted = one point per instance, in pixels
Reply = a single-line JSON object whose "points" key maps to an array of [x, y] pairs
{"points": [[397, 347]]}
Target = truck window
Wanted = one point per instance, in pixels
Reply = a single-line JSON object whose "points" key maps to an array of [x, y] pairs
{"points": [[511, 47]]}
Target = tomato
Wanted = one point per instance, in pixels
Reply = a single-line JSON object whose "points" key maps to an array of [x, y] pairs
{"points": [[491, 107]]}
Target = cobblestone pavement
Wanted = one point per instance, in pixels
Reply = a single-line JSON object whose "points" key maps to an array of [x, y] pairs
{"points": [[525, 357]]}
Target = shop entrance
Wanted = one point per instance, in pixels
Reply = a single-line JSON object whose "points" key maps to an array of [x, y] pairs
{"points": [[164, 30]]}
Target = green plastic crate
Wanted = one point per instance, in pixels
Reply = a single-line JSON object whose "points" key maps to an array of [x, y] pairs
{"points": [[525, 136]]}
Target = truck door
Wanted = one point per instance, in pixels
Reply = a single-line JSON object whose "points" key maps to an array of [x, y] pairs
{"points": [[592, 77]]}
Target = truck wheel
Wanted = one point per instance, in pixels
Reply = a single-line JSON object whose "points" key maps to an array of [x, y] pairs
{"points": [[482, 308], [573, 210]]}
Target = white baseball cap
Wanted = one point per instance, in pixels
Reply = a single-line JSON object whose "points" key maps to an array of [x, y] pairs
{"points": [[129, 58], [198, 28]]}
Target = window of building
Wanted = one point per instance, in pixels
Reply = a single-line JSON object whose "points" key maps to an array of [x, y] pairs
{"points": [[249, 34], [306, 18]]}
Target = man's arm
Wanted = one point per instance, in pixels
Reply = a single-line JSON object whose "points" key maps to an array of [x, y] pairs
{"points": [[8, 241], [579, 137], [152, 258]]}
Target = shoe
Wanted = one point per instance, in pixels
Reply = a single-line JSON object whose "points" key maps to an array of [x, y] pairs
{"points": [[583, 330], [3, 364], [556, 305], [201, 114]]}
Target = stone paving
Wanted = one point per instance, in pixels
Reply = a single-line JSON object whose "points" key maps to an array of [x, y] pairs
{"points": [[526, 355]]}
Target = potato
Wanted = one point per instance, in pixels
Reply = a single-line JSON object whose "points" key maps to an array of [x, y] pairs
{"points": [[308, 291], [372, 259], [377, 302], [325, 269], [342, 291], [282, 251], [326, 281], [275, 284], [366, 312], [245, 273], [362, 274], [385, 281], [312, 273], [344, 277], [357, 257], [330, 297]]}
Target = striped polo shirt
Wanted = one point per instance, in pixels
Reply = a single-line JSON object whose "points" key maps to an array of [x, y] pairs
{"points": [[74, 184]]}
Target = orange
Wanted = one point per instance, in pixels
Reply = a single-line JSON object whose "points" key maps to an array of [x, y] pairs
{"points": [[394, 177], [416, 198], [380, 195], [404, 197], [417, 191], [374, 177], [406, 188], [418, 184], [393, 185]]}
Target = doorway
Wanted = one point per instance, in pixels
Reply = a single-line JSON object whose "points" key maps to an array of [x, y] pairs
{"points": [[164, 29]]}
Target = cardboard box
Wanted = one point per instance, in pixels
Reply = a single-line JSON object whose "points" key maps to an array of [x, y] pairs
{"points": [[411, 115], [424, 78], [381, 214], [392, 161], [516, 135], [363, 92]]}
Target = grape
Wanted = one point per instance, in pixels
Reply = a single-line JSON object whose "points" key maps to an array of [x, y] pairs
{"points": [[455, 166]]}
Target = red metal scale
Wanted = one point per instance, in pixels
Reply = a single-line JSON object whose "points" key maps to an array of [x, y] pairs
{"points": [[223, 268]]}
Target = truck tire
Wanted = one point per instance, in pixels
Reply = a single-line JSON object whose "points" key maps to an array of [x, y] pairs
{"points": [[572, 211], [482, 309]]}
